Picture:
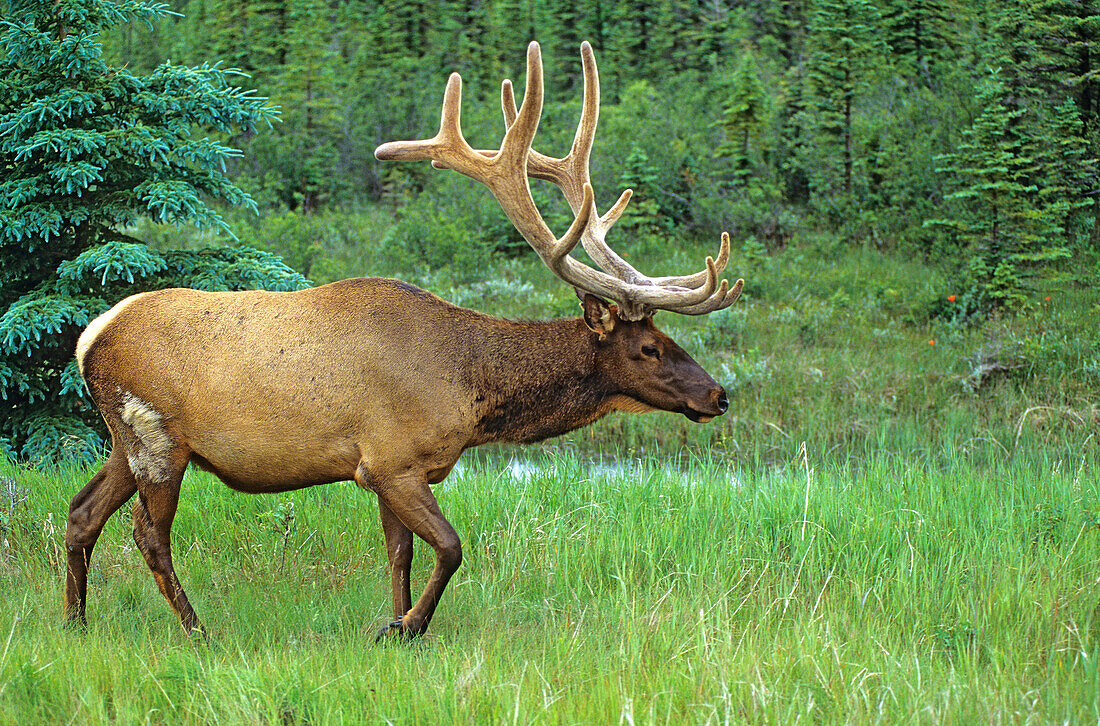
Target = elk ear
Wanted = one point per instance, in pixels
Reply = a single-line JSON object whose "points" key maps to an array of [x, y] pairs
{"points": [[599, 315]]}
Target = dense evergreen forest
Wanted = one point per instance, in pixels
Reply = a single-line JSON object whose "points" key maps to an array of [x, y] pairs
{"points": [[963, 135], [961, 131]]}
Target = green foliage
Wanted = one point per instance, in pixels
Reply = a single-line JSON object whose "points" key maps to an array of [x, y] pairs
{"points": [[905, 132], [311, 114], [642, 214], [742, 117], [756, 209], [645, 140], [918, 35], [844, 49], [756, 253], [460, 228], [87, 150], [1045, 52], [1015, 190], [1068, 174], [725, 329]]}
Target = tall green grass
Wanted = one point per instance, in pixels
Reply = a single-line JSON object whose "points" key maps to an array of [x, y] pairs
{"points": [[877, 532], [887, 589]]}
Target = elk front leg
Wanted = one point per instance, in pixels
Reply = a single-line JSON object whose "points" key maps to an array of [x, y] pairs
{"points": [[399, 540], [410, 500]]}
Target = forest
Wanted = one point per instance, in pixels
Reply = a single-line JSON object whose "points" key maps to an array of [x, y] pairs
{"points": [[917, 125], [960, 134]]}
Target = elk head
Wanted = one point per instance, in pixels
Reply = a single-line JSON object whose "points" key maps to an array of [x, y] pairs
{"points": [[619, 301], [649, 368]]}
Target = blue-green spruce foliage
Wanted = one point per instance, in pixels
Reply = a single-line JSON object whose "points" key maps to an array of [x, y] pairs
{"points": [[86, 150]]}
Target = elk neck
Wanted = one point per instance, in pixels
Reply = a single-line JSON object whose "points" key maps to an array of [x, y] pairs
{"points": [[536, 380]]}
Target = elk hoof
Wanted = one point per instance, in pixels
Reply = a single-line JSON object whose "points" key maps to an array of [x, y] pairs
{"points": [[75, 623], [396, 631]]}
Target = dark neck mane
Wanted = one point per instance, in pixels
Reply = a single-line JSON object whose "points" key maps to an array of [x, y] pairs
{"points": [[540, 381]]}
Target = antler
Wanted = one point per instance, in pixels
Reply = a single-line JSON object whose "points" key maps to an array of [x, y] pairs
{"points": [[505, 172]]}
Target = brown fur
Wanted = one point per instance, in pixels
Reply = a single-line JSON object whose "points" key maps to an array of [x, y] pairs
{"points": [[368, 379]]}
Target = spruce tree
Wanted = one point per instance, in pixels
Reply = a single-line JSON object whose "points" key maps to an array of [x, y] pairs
{"points": [[300, 156], [87, 150], [781, 28], [1050, 50], [916, 31], [1067, 172], [742, 117], [844, 50], [643, 212], [701, 34], [1008, 230], [641, 40], [561, 45], [794, 152]]}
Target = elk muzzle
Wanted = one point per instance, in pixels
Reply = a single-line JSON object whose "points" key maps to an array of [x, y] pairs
{"points": [[714, 403]]}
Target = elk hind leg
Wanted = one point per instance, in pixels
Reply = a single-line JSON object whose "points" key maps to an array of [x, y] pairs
{"points": [[153, 513], [89, 510]]}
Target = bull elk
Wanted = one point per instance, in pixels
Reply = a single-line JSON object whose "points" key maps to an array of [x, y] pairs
{"points": [[377, 381]]}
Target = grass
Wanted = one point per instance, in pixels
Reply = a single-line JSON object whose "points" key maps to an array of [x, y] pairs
{"points": [[888, 590], [841, 350], [883, 529]]}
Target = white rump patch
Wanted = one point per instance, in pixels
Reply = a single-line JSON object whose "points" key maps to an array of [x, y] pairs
{"points": [[149, 457], [96, 327]]}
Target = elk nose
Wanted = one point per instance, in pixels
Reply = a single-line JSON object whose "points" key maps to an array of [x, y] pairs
{"points": [[723, 402]]}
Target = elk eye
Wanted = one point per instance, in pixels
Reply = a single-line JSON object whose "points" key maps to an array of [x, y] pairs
{"points": [[651, 351]]}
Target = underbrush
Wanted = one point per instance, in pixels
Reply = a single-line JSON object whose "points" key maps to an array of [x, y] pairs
{"points": [[838, 352], [843, 349]]}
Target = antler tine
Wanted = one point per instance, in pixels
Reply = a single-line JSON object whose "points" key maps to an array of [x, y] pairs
{"points": [[723, 298], [508, 103], [660, 297], [559, 251], [539, 166], [570, 173], [516, 147], [699, 278], [581, 150]]}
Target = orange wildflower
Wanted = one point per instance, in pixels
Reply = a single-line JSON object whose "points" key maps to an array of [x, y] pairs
{"points": [[950, 298]]}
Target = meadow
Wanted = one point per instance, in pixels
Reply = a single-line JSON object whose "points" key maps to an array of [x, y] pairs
{"points": [[632, 591], [897, 522]]}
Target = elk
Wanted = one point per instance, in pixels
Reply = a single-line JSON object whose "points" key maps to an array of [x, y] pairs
{"points": [[380, 382]]}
